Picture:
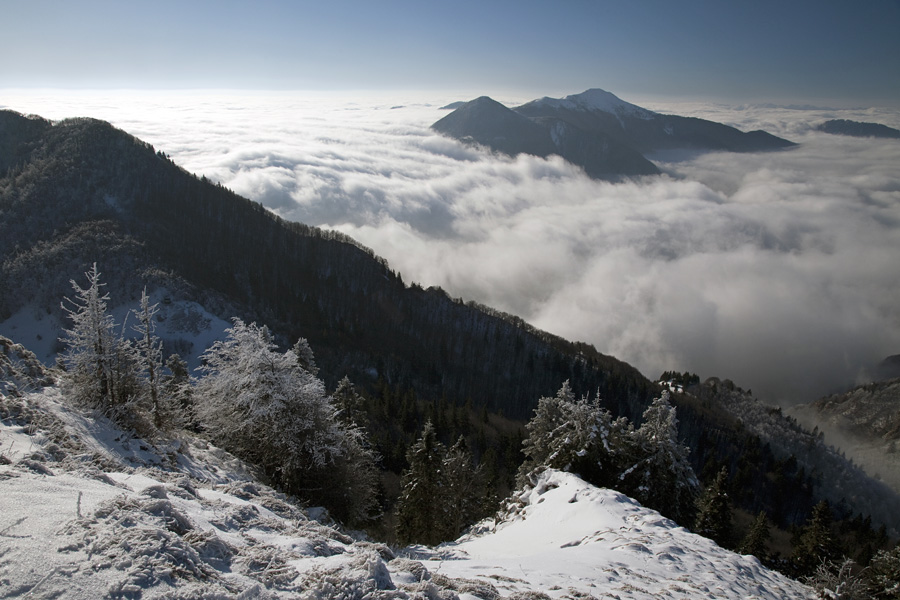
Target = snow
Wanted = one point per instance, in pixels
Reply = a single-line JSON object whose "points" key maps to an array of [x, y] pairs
{"points": [[569, 537], [90, 511], [598, 100]]}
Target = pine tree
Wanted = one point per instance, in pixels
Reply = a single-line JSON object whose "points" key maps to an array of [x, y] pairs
{"points": [[816, 543], [177, 386], [350, 484], [149, 354], [350, 405], [100, 365], [714, 511], [570, 435], [757, 539], [464, 489], [660, 475], [419, 516]]}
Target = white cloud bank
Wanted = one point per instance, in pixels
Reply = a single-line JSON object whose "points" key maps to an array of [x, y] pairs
{"points": [[778, 270]]}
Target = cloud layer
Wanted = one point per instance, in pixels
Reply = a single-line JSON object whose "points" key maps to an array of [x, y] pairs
{"points": [[777, 270]]}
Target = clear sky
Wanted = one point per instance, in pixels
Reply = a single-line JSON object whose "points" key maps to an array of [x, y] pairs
{"points": [[760, 50]]}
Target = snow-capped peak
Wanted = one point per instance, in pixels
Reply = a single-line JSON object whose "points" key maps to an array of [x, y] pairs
{"points": [[597, 99]]}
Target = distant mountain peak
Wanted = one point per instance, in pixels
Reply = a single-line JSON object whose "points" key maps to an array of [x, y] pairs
{"points": [[596, 99]]}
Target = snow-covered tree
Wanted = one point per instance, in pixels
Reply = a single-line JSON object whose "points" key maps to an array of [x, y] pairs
{"points": [[419, 507], [839, 581], [349, 403], [882, 576], [100, 365], [714, 511], [463, 489], [305, 356], [148, 348], [176, 385], [266, 407], [261, 404], [572, 435], [661, 476], [349, 486]]}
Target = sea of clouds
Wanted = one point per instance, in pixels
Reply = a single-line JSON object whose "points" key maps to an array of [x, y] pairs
{"points": [[780, 271]]}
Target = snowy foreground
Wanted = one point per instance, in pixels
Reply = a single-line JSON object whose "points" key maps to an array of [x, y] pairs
{"points": [[87, 511]]}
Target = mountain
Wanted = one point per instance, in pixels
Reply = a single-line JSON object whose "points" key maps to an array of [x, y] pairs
{"points": [[818, 467], [595, 130], [487, 122], [90, 511], [644, 130], [80, 191], [865, 422], [858, 129]]}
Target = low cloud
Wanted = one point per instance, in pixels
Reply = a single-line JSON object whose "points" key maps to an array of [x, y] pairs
{"points": [[777, 270]]}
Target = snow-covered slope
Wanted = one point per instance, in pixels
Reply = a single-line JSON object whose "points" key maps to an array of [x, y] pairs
{"points": [[90, 511], [569, 539]]}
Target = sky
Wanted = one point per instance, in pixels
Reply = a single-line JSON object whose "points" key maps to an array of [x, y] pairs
{"points": [[776, 270], [832, 49]]}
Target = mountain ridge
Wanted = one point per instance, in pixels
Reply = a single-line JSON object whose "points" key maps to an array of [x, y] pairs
{"points": [[599, 132], [87, 192], [81, 191]]}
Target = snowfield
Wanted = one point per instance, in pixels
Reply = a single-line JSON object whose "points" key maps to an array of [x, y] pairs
{"points": [[90, 511]]}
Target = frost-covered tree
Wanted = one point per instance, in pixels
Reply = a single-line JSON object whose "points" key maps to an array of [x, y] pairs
{"points": [[463, 489], [572, 435], [349, 403], [262, 405], [661, 476], [305, 357], [882, 576], [349, 486], [176, 385], [100, 365], [714, 511], [839, 581], [266, 407], [351, 483], [419, 507], [148, 349]]}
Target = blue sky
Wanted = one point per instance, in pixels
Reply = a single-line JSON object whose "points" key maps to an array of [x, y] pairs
{"points": [[761, 50]]}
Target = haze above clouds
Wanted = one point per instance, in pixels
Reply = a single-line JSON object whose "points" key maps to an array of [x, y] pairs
{"points": [[777, 270]]}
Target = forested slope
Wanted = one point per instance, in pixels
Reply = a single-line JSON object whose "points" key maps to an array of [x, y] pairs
{"points": [[81, 191]]}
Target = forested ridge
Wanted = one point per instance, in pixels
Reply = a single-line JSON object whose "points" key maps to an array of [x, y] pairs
{"points": [[81, 191]]}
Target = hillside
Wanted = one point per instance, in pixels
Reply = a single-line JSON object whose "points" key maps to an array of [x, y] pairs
{"points": [[865, 422], [91, 511], [81, 191]]}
